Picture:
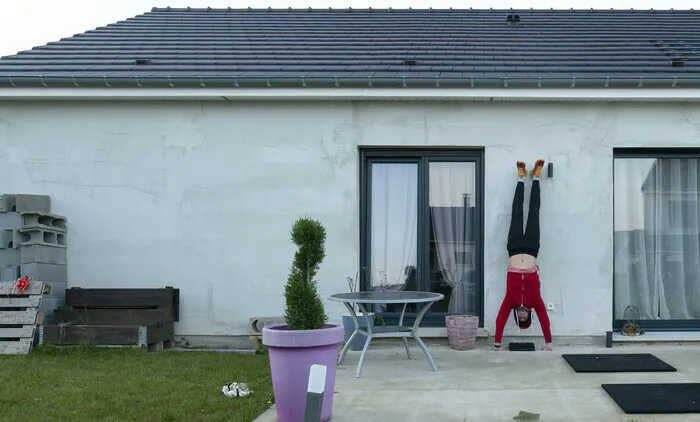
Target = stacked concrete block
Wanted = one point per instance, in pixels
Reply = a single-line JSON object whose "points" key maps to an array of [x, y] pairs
{"points": [[10, 220], [10, 203], [33, 244], [32, 203], [9, 273], [10, 256], [7, 238], [7, 203], [43, 229]]}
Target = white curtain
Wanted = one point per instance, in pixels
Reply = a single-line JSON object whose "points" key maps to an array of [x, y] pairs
{"points": [[394, 222], [451, 188], [657, 238]]}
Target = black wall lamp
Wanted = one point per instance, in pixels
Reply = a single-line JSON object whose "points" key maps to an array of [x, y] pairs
{"points": [[550, 170]]}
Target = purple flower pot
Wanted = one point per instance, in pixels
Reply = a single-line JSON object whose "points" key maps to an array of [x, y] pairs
{"points": [[292, 352]]}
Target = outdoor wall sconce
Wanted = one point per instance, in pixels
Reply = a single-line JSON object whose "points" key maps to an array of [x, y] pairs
{"points": [[550, 170]]}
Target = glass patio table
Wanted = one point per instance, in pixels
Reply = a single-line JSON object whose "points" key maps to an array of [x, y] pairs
{"points": [[405, 297]]}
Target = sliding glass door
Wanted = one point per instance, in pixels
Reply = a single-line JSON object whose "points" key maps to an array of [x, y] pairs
{"points": [[452, 242], [657, 238], [421, 227]]}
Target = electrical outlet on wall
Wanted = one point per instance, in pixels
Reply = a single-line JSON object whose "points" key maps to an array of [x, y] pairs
{"points": [[551, 307]]}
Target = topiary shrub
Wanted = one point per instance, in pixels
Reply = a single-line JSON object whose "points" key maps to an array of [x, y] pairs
{"points": [[304, 309]]}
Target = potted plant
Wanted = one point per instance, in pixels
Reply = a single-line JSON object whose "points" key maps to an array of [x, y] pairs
{"points": [[349, 325], [306, 338]]}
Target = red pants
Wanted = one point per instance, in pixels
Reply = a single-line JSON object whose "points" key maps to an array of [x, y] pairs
{"points": [[522, 289]]}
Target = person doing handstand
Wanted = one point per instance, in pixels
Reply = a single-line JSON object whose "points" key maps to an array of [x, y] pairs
{"points": [[522, 281]]}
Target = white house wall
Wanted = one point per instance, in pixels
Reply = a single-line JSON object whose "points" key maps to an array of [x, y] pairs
{"points": [[201, 196]]}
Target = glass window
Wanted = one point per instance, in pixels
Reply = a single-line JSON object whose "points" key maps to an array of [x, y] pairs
{"points": [[421, 228], [394, 228], [657, 238], [451, 196]]}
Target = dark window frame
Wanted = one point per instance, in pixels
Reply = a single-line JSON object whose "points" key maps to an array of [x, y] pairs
{"points": [[651, 152], [421, 156]]}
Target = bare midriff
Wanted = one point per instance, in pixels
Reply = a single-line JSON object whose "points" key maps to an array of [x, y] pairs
{"points": [[530, 270], [522, 261]]}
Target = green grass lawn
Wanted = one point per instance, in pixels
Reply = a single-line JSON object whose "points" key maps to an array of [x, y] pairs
{"points": [[93, 384]]}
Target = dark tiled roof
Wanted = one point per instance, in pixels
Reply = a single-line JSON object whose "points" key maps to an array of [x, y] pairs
{"points": [[347, 47]]}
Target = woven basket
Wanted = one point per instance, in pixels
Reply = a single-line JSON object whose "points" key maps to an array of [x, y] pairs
{"points": [[462, 330]]}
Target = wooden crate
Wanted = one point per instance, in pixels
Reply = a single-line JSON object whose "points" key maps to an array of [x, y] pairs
{"points": [[18, 317], [115, 317], [111, 316], [154, 337], [167, 298]]}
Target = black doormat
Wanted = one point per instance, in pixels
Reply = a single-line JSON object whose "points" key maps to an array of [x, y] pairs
{"points": [[656, 398], [620, 362], [521, 347]]}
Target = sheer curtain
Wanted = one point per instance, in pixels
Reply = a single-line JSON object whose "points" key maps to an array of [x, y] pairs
{"points": [[394, 220], [657, 238], [451, 187]]}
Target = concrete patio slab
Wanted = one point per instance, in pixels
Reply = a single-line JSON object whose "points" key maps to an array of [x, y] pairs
{"points": [[482, 385]]}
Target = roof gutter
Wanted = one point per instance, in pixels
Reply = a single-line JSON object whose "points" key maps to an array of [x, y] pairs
{"points": [[367, 88], [349, 94]]}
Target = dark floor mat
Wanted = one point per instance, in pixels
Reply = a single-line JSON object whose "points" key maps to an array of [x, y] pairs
{"points": [[521, 347], [618, 362], [656, 398]]}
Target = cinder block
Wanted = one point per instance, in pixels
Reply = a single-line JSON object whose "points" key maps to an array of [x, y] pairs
{"points": [[49, 273], [10, 239], [6, 239], [7, 203], [9, 273], [10, 221], [36, 236], [44, 254], [58, 290], [10, 257], [43, 221], [49, 305], [32, 203]]}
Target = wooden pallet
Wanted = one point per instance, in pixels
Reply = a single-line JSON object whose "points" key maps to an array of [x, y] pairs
{"points": [[18, 317]]}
